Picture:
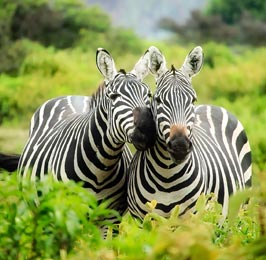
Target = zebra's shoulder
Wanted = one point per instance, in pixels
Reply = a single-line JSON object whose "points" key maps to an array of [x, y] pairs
{"points": [[217, 122]]}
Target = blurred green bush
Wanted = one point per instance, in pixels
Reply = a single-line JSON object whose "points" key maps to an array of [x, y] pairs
{"points": [[49, 225]]}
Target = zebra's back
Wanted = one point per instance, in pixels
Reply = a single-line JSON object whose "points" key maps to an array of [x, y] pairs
{"points": [[47, 128], [56, 110], [219, 127], [220, 142]]}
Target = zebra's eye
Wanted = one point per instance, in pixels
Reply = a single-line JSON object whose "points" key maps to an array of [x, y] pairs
{"points": [[158, 100], [113, 96]]}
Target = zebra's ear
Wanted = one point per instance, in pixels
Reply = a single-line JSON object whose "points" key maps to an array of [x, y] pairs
{"points": [[157, 63], [105, 64], [141, 68], [193, 62]]}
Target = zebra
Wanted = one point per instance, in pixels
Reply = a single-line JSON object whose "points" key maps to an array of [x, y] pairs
{"points": [[83, 138], [199, 149]]}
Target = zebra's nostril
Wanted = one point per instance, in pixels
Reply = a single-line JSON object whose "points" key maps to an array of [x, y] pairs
{"points": [[179, 143], [169, 144], [136, 114]]}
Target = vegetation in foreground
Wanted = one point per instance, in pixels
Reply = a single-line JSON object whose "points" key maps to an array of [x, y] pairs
{"points": [[62, 223], [56, 57]]}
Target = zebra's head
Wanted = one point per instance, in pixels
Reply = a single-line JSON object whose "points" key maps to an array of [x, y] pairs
{"points": [[173, 102], [127, 102]]}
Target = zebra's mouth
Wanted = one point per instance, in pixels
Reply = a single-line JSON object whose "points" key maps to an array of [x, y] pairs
{"points": [[178, 157], [140, 146], [179, 148]]}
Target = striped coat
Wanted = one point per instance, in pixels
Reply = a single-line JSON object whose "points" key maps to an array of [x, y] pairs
{"points": [[83, 138], [199, 149]]}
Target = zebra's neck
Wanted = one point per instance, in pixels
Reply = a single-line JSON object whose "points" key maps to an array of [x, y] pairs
{"points": [[98, 142]]}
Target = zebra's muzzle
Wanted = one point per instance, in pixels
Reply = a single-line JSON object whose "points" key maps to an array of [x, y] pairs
{"points": [[179, 145], [144, 134]]}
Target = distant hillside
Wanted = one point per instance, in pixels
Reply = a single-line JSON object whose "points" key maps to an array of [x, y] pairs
{"points": [[143, 15]]}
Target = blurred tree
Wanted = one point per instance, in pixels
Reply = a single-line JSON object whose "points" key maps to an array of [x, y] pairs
{"points": [[200, 28], [11, 53], [226, 21], [56, 23], [231, 11]]}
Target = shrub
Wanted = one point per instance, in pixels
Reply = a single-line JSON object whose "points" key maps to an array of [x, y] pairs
{"points": [[51, 224], [54, 225], [12, 56]]}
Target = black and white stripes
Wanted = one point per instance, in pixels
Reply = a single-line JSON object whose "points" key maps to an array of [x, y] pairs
{"points": [[83, 138], [199, 149]]}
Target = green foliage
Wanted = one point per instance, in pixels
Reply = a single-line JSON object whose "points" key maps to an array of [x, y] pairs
{"points": [[231, 10], [55, 225], [12, 55], [44, 74], [120, 41], [51, 224], [125, 41], [56, 24], [61, 24]]}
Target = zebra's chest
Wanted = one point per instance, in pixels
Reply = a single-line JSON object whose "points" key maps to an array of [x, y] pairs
{"points": [[150, 180]]}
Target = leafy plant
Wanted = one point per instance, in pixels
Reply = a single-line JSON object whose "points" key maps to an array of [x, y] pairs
{"points": [[55, 224], [48, 219]]}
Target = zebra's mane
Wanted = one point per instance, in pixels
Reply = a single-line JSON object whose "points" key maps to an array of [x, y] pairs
{"points": [[173, 69], [123, 71], [97, 95]]}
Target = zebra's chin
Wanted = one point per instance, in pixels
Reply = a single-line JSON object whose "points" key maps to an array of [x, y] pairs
{"points": [[177, 160], [179, 156]]}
